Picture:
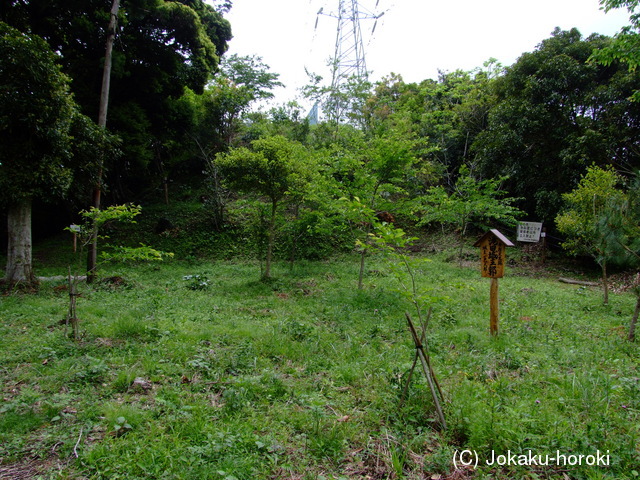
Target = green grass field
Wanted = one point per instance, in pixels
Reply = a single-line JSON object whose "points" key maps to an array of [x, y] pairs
{"points": [[222, 376]]}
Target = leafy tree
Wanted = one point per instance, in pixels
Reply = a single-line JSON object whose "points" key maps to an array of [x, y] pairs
{"points": [[243, 81], [162, 47], [625, 47], [588, 209], [288, 120], [386, 162], [94, 219], [446, 114], [471, 200], [341, 103], [37, 120], [557, 113], [274, 167], [392, 242], [173, 156], [621, 229], [624, 226]]}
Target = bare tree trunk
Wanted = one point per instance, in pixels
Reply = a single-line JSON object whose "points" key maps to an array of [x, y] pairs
{"points": [[92, 255], [19, 266]]}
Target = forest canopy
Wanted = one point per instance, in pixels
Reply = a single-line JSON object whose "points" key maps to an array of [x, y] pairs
{"points": [[177, 102]]}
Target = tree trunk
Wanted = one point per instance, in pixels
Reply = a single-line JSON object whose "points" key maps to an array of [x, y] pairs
{"points": [[294, 241], [605, 282], [19, 266], [361, 273], [368, 231], [634, 321], [92, 255], [270, 235], [165, 184]]}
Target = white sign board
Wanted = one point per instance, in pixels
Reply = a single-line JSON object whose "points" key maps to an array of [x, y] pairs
{"points": [[529, 231]]}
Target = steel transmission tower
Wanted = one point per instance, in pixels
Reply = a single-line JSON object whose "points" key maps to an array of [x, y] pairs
{"points": [[349, 58]]}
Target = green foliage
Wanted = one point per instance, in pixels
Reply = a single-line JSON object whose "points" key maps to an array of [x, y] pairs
{"points": [[275, 168], [96, 219], [241, 82], [46, 144], [90, 370], [445, 114], [621, 225], [471, 202], [161, 48], [556, 114], [143, 253], [594, 199], [586, 219], [625, 46], [393, 242], [304, 376], [196, 282], [38, 117]]}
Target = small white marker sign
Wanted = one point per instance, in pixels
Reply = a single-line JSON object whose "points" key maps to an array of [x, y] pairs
{"points": [[529, 231]]}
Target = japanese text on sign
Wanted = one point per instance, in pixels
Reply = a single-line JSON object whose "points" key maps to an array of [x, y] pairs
{"points": [[529, 231], [492, 256]]}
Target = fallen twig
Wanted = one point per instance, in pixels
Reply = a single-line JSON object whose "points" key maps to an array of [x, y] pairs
{"points": [[578, 282], [75, 449]]}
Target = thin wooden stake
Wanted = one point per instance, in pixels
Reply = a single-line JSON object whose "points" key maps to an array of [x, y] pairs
{"points": [[423, 340], [428, 372]]}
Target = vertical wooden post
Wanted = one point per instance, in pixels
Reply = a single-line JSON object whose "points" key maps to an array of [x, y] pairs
{"points": [[493, 305], [492, 261]]}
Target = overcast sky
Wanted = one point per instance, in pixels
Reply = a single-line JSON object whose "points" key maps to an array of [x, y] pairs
{"points": [[414, 38]]}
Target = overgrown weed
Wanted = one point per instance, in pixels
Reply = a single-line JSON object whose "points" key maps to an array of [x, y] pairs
{"points": [[260, 380]]}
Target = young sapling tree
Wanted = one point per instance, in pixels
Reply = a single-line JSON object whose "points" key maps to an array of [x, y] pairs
{"points": [[620, 226], [274, 167], [470, 201], [392, 242], [93, 220], [584, 221]]}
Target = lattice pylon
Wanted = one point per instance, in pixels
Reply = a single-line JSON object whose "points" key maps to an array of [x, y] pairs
{"points": [[348, 62], [349, 57]]}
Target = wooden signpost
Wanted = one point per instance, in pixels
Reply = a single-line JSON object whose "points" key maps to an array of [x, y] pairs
{"points": [[75, 229], [492, 255]]}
